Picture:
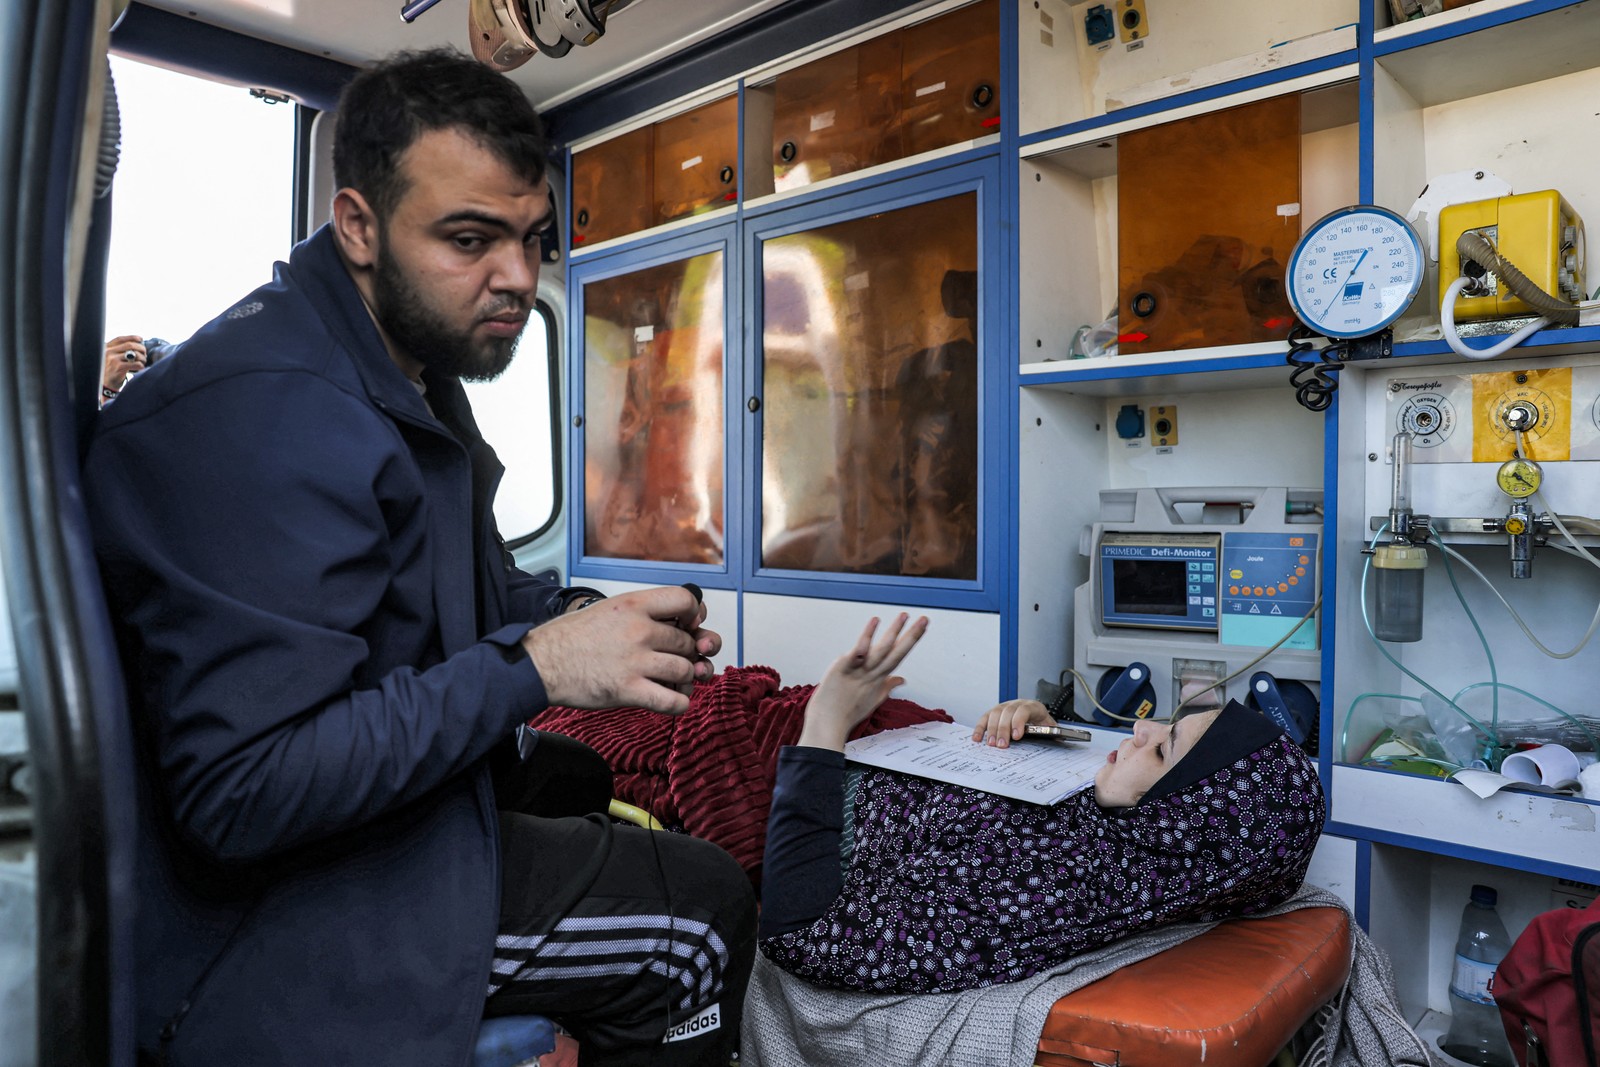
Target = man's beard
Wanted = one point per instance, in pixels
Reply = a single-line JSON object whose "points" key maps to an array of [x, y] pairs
{"points": [[424, 335]]}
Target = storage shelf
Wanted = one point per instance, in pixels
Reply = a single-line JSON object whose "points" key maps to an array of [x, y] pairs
{"points": [[1556, 341], [1191, 53], [1303, 77], [1512, 827], [868, 176], [654, 233], [1469, 53], [1475, 17], [1194, 371]]}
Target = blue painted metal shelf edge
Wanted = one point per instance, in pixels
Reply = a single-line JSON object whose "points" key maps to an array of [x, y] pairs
{"points": [[1221, 90], [1108, 368], [1421, 33], [1557, 341], [1429, 847]]}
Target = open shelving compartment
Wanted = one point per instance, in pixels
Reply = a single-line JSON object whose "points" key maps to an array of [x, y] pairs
{"points": [[1067, 82], [1502, 89], [1371, 694], [1520, 20], [1513, 100], [1228, 398], [1416, 900], [1070, 450], [1068, 191]]}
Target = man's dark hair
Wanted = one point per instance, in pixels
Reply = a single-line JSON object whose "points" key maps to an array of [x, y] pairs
{"points": [[384, 110]]}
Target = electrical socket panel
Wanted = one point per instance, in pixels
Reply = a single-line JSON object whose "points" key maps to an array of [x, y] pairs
{"points": [[1133, 25]]}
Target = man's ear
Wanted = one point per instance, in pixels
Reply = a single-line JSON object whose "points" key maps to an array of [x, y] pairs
{"points": [[355, 227]]}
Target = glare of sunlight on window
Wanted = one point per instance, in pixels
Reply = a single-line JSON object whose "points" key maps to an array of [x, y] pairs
{"points": [[202, 202], [284, 9], [513, 414]]}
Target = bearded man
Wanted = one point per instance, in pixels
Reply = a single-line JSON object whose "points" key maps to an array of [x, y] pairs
{"points": [[329, 652]]}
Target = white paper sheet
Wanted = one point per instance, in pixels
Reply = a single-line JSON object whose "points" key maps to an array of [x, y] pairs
{"points": [[1038, 770]]}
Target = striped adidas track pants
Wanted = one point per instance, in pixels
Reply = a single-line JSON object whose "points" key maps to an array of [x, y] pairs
{"points": [[639, 942]]}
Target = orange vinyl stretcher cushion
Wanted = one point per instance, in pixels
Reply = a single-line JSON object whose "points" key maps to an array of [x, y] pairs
{"points": [[1231, 997]]}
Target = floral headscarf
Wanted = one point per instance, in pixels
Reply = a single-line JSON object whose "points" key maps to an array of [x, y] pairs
{"points": [[949, 888]]}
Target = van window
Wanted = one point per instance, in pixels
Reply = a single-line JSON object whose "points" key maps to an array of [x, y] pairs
{"points": [[204, 204], [517, 416], [203, 201]]}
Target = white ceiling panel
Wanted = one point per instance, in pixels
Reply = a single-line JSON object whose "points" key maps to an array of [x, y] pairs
{"points": [[359, 31]]}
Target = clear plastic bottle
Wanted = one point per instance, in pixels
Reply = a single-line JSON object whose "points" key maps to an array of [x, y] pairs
{"points": [[1476, 1035]]}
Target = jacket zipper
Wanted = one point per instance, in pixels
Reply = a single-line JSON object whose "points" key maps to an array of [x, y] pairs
{"points": [[169, 1029]]}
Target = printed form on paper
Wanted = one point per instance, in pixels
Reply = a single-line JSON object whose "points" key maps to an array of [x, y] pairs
{"points": [[1038, 770]]}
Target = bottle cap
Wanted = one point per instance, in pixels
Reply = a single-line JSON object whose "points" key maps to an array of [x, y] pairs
{"points": [[1484, 896], [1400, 557]]}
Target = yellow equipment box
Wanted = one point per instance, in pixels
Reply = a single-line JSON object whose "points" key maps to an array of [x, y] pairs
{"points": [[1538, 233]]}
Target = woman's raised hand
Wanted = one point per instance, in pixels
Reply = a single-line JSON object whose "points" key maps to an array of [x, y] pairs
{"points": [[858, 682]]}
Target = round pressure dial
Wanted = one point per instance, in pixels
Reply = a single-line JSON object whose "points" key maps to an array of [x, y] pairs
{"points": [[1518, 477], [1355, 271]]}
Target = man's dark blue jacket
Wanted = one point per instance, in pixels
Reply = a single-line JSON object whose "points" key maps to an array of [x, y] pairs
{"points": [[321, 637]]}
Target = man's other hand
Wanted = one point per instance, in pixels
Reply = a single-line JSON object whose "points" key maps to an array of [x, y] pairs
{"points": [[630, 650]]}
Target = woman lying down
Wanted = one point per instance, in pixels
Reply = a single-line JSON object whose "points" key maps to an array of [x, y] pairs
{"points": [[946, 888]]}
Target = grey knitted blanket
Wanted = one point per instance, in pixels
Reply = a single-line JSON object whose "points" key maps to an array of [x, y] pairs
{"points": [[790, 1023]]}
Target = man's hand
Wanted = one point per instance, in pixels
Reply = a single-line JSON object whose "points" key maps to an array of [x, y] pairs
{"points": [[629, 650], [124, 356]]}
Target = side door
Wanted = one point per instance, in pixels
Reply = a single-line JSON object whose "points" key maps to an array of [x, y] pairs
{"points": [[69, 808]]}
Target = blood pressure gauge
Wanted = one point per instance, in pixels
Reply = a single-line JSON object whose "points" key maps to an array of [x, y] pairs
{"points": [[1355, 271], [1518, 477]]}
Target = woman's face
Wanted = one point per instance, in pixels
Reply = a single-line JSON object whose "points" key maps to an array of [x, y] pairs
{"points": [[1154, 748]]}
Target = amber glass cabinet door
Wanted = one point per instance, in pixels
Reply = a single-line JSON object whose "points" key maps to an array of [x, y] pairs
{"points": [[653, 425], [869, 372]]}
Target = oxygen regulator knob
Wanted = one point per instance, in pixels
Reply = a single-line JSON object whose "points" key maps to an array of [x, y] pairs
{"points": [[1521, 417]]}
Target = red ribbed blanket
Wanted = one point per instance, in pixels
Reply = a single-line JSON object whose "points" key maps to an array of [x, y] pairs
{"points": [[710, 770]]}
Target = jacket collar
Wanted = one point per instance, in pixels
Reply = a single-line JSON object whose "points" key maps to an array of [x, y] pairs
{"points": [[326, 282]]}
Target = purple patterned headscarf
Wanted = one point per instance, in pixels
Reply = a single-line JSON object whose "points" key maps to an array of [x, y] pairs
{"points": [[949, 888]]}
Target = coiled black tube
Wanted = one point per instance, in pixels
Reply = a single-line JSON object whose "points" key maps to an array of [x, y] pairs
{"points": [[1312, 376]]}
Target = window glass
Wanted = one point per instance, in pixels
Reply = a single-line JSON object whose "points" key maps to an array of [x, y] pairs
{"points": [[203, 206], [19, 868], [653, 418], [924, 87], [203, 201], [515, 416], [869, 451]]}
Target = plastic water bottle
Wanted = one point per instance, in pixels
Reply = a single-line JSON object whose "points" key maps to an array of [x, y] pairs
{"points": [[1476, 1035]]}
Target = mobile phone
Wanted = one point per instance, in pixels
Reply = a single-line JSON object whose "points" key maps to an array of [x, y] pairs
{"points": [[1065, 733]]}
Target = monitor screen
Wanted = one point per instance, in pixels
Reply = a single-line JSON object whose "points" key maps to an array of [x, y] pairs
{"points": [[1150, 587]]}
